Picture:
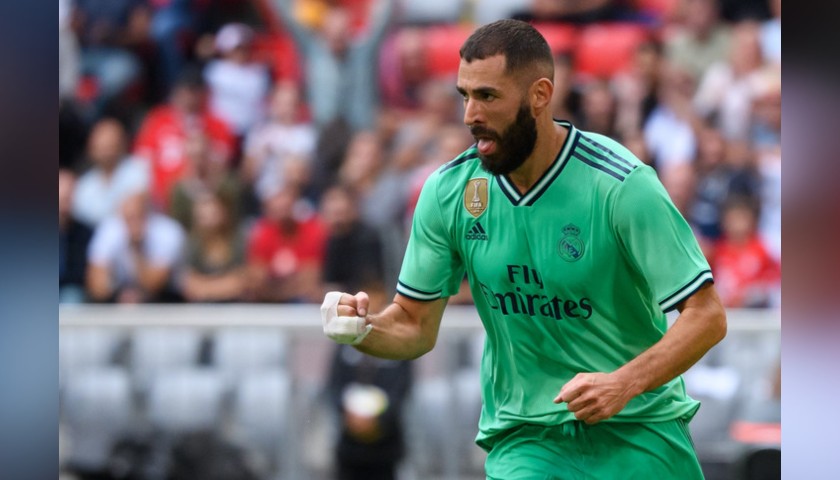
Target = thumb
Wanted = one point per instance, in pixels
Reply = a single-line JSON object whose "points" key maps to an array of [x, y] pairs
{"points": [[362, 301]]}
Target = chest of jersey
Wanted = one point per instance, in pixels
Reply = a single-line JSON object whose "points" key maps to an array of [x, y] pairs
{"points": [[542, 259]]}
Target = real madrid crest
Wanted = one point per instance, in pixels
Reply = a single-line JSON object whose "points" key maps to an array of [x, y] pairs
{"points": [[475, 196], [571, 247]]}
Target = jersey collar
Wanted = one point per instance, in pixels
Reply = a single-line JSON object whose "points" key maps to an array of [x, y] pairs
{"points": [[531, 196]]}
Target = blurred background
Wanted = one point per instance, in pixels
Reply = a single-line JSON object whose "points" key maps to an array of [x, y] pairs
{"points": [[223, 163]]}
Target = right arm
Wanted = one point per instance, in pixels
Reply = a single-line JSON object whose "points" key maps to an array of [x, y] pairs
{"points": [[405, 330]]}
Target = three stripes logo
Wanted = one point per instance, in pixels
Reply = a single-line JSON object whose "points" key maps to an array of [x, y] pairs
{"points": [[477, 232]]}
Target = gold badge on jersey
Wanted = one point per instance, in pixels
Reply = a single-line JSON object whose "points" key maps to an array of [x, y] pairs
{"points": [[475, 196]]}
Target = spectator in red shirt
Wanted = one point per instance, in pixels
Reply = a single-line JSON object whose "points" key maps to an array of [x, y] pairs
{"points": [[163, 135], [286, 252], [746, 274]]}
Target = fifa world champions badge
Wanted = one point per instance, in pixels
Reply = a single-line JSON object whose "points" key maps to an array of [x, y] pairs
{"points": [[476, 196], [571, 247]]}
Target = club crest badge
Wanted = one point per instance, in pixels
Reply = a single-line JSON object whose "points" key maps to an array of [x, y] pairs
{"points": [[475, 196], [571, 247]]}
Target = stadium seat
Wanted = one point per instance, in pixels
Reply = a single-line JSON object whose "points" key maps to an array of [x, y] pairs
{"points": [[262, 407], [443, 43], [431, 11], [83, 348], [237, 351], [604, 49], [561, 37], [157, 350], [97, 411], [185, 401]]}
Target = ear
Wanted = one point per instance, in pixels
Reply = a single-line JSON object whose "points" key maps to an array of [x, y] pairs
{"points": [[539, 95]]}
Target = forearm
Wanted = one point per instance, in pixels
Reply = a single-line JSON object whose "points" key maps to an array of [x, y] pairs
{"points": [[397, 335], [695, 332], [150, 278], [214, 287], [99, 283]]}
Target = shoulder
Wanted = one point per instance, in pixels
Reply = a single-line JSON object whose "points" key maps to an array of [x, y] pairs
{"points": [[605, 157], [165, 227], [447, 181]]}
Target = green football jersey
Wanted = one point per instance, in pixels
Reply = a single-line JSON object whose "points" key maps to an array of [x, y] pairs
{"points": [[575, 275]]}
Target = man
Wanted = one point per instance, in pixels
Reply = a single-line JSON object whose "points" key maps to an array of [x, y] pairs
{"points": [[162, 139], [112, 177], [286, 251], [133, 256], [574, 253]]}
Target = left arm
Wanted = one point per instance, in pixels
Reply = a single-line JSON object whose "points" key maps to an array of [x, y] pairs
{"points": [[594, 397]]}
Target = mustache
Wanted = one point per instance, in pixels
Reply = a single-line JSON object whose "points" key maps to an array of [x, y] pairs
{"points": [[479, 131]]}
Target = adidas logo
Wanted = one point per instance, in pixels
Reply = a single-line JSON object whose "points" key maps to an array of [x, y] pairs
{"points": [[477, 232]]}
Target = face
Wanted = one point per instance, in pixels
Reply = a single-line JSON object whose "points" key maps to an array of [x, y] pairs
{"points": [[209, 214], [107, 143], [497, 113]]}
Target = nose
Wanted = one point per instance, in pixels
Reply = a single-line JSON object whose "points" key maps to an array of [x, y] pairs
{"points": [[472, 113]]}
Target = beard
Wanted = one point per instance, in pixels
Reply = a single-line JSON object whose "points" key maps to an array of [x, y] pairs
{"points": [[513, 146]]}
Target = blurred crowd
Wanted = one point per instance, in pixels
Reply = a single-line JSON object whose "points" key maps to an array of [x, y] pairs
{"points": [[272, 150]]}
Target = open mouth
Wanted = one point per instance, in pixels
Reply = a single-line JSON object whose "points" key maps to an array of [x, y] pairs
{"points": [[485, 140]]}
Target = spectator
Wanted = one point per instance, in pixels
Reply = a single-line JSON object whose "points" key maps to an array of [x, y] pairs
{"points": [[133, 256], [341, 71], [598, 112], [636, 90], [680, 181], [284, 138], [723, 169], [404, 69], [771, 35], [73, 239], [767, 138], [416, 134], [165, 129], [380, 188], [112, 177], [354, 256], [237, 83], [216, 268], [566, 98], [175, 25], [725, 89], [700, 39], [206, 173], [670, 130], [111, 33], [369, 395], [746, 274], [285, 252]]}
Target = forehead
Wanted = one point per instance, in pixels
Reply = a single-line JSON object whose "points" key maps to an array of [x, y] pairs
{"points": [[483, 73]]}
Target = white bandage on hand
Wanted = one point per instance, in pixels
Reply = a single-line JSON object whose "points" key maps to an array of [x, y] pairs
{"points": [[348, 330]]}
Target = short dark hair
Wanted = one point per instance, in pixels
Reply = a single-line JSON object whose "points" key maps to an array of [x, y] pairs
{"points": [[523, 47]]}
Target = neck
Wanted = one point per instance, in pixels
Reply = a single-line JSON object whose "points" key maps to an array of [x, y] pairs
{"points": [[550, 138]]}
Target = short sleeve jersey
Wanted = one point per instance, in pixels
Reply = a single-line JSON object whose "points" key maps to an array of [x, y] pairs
{"points": [[574, 275]]}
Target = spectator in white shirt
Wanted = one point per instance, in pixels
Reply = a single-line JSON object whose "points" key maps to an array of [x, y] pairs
{"points": [[112, 177], [283, 141], [133, 256], [238, 85]]}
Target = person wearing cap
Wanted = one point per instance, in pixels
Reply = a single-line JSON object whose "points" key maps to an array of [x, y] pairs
{"points": [[238, 85]]}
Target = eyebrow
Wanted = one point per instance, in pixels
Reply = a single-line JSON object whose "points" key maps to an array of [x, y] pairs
{"points": [[479, 90]]}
